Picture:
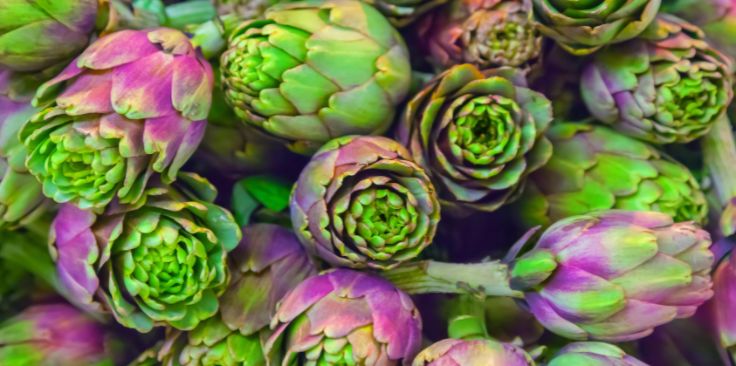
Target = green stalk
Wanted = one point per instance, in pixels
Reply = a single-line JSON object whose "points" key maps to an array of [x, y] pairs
{"points": [[189, 12], [33, 256], [467, 318], [478, 279], [719, 154]]}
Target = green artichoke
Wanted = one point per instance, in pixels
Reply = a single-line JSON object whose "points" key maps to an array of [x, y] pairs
{"points": [[313, 71], [361, 202], [478, 134], [594, 168], [159, 262], [666, 86], [583, 27]]}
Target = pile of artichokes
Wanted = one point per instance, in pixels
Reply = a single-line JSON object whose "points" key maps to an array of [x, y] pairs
{"points": [[367, 183]]}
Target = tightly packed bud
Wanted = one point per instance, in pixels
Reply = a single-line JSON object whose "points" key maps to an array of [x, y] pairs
{"points": [[460, 352], [133, 103], [345, 317], [666, 86], [485, 33], [615, 275], [54, 334], [313, 71], [35, 36], [594, 168], [362, 202], [593, 354], [159, 262], [478, 135]]}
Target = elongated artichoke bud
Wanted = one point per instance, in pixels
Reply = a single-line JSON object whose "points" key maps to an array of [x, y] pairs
{"points": [[456, 352], [345, 317], [132, 104], [159, 262], [666, 86], [478, 134], [34, 36], [594, 168], [615, 275], [54, 334], [584, 27], [593, 354], [312, 71], [361, 202]]}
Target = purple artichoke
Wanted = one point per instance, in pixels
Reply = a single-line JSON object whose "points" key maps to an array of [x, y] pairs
{"points": [[362, 202], [593, 354], [54, 334], [615, 275], [345, 317], [159, 262], [461, 352], [666, 86], [132, 104]]}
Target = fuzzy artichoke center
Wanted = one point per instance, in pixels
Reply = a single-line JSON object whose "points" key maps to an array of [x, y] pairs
{"points": [[511, 40], [691, 100]]}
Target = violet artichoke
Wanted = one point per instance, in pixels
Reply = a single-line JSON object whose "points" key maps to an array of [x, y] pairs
{"points": [[345, 317], [132, 104], [161, 261], [615, 275], [464, 352], [312, 71], [666, 86], [478, 134], [361, 202]]}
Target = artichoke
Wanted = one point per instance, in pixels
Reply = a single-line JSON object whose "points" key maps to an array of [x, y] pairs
{"points": [[313, 71], [594, 168], [403, 12], [159, 262], [615, 275], [21, 199], [345, 317], [478, 134], [583, 27], [593, 354], [244, 9], [133, 103], [724, 281], [460, 352], [361, 202], [666, 86], [54, 334], [485, 33], [34, 36]]}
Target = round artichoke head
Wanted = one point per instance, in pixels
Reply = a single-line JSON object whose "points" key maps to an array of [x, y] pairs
{"points": [[595, 168], [345, 317], [35, 36], [666, 86], [312, 71], [456, 352], [54, 334], [593, 354], [361, 202], [160, 262], [133, 103], [615, 275], [485, 33], [583, 27], [478, 134]]}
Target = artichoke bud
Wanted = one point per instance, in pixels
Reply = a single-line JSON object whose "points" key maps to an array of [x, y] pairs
{"points": [[531, 269], [473, 352], [593, 354]]}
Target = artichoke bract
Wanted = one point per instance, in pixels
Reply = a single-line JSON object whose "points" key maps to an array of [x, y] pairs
{"points": [[403, 12], [593, 354], [133, 103], [460, 352], [594, 168], [478, 134], [34, 36], [54, 334], [361, 202], [583, 27], [485, 33], [345, 317], [312, 71], [666, 86], [244, 9], [615, 275], [159, 262], [21, 199]]}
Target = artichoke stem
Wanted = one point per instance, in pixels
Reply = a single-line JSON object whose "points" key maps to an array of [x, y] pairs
{"points": [[189, 12], [479, 279], [719, 152], [467, 318]]}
